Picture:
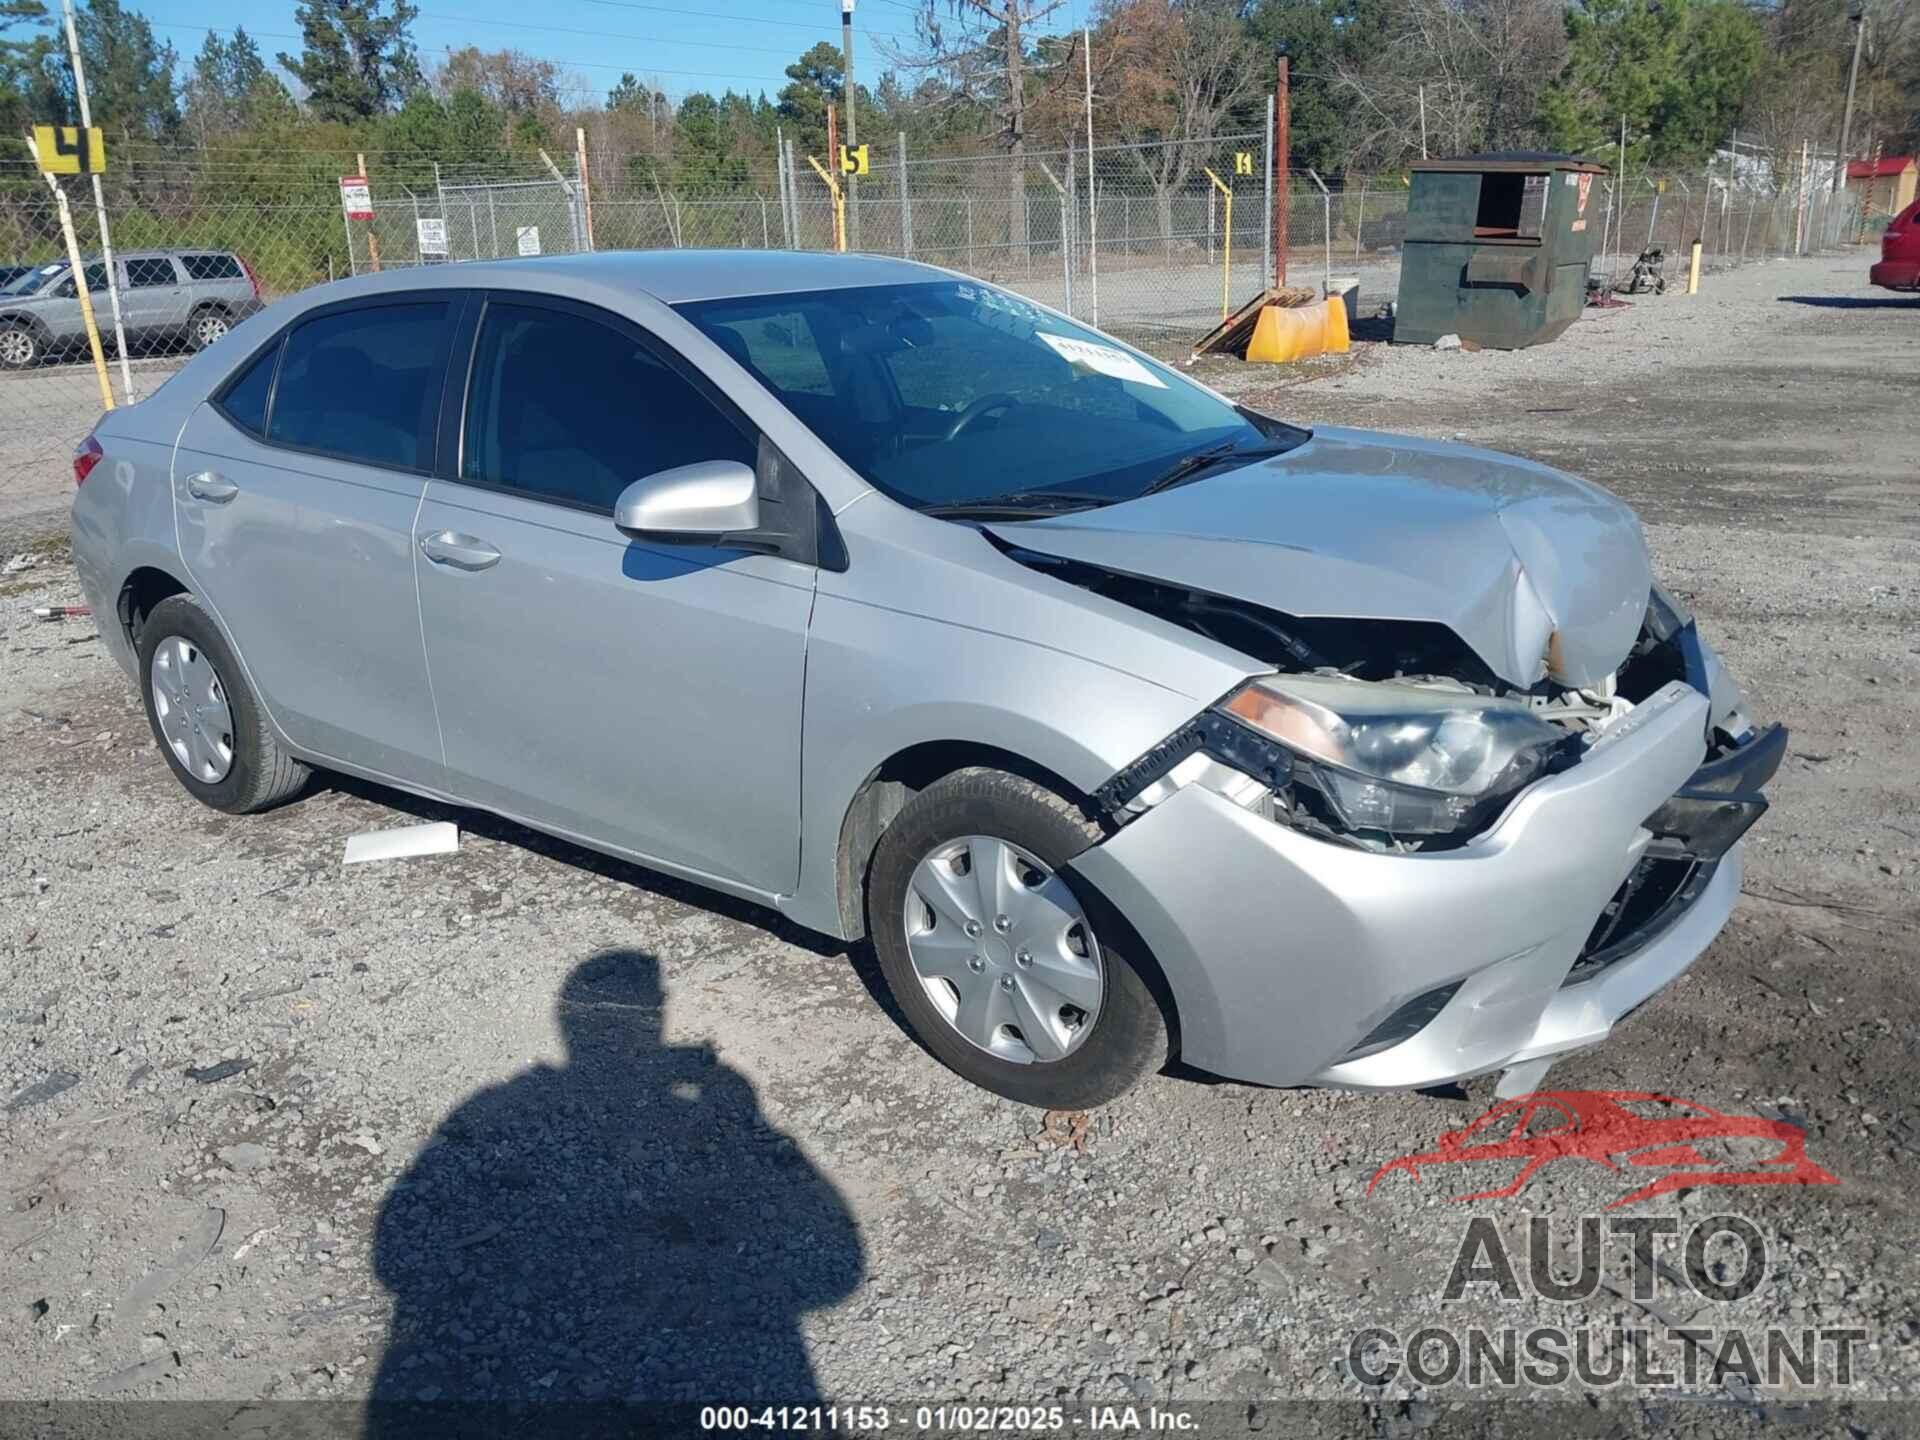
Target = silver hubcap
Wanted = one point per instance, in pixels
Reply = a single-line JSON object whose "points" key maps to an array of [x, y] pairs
{"points": [[192, 708], [211, 328], [1003, 950], [16, 347]]}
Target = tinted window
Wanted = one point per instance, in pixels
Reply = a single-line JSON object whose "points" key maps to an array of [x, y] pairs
{"points": [[575, 410], [364, 384], [211, 267], [149, 271], [246, 399]]}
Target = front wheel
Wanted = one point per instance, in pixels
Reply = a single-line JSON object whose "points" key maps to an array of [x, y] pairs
{"points": [[1009, 973], [19, 346], [205, 718]]}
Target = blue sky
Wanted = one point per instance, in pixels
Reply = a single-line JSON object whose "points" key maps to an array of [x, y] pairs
{"points": [[685, 44]]}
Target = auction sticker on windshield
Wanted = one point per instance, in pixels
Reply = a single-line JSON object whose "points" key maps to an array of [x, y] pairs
{"points": [[1101, 358]]}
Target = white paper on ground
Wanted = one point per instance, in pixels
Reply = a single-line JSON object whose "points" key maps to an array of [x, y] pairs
{"points": [[1103, 359], [439, 838]]}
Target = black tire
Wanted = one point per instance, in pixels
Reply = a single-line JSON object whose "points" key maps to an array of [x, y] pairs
{"points": [[261, 774], [21, 347], [1129, 1038], [200, 323]]}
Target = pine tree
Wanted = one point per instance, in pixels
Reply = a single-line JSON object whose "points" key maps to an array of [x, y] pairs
{"points": [[357, 58]]}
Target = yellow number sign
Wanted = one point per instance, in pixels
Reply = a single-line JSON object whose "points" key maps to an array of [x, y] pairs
{"points": [[69, 150], [1243, 162], [854, 161]]}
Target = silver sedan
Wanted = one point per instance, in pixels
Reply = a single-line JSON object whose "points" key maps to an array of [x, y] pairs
{"points": [[1124, 721]]}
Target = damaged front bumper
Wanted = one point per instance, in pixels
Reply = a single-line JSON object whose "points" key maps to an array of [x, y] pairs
{"points": [[1292, 960]]}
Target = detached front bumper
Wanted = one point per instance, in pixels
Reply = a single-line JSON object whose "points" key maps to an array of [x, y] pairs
{"points": [[1292, 960]]}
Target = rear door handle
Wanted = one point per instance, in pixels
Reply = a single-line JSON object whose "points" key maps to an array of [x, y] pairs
{"points": [[214, 489], [462, 552]]}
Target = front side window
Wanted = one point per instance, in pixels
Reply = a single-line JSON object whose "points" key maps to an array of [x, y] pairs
{"points": [[571, 409], [96, 282], [364, 384], [148, 271], [952, 393]]}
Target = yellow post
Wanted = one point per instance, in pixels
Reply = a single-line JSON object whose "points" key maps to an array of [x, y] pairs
{"points": [[79, 273], [839, 205], [1226, 254], [1693, 271]]}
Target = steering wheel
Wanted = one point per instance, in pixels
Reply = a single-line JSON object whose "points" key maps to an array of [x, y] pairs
{"points": [[984, 405]]}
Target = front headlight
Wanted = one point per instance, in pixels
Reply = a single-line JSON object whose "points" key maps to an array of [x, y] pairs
{"points": [[1402, 759]]}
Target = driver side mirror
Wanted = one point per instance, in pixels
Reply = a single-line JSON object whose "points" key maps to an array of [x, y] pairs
{"points": [[691, 504]]}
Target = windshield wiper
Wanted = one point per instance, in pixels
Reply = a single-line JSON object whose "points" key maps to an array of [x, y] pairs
{"points": [[1189, 467], [1018, 503]]}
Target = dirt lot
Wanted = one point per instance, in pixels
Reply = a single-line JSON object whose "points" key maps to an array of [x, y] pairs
{"points": [[524, 1123]]}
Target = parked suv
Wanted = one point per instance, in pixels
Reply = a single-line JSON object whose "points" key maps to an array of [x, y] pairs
{"points": [[166, 297], [1899, 267]]}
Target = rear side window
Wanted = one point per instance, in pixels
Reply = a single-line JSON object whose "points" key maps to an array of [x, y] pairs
{"points": [[245, 400], [571, 409], [211, 267], [150, 270], [364, 384]]}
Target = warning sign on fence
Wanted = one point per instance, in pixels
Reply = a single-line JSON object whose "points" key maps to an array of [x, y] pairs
{"points": [[527, 237], [433, 236], [356, 197]]}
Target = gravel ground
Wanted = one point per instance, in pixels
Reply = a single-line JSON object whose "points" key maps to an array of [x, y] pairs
{"points": [[521, 1122]]}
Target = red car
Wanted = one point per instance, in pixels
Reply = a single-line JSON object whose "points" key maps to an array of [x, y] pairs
{"points": [[1899, 267]]}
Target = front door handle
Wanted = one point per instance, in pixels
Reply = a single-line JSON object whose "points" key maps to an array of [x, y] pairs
{"points": [[462, 552], [214, 489]]}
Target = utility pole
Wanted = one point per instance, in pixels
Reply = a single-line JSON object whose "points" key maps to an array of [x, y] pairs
{"points": [[853, 126], [1282, 164], [1856, 12], [1093, 195], [100, 208]]}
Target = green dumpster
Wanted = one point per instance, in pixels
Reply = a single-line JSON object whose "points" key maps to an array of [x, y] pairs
{"points": [[1497, 248]]}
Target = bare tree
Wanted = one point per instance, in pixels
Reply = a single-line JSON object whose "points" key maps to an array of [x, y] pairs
{"points": [[982, 55], [1474, 68], [1184, 66]]}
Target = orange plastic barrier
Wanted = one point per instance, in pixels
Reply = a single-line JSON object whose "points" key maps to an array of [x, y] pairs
{"points": [[1281, 335]]}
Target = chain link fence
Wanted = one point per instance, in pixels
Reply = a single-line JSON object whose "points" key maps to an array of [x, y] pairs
{"points": [[1151, 242]]}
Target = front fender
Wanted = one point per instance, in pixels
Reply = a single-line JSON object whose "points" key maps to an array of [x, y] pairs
{"points": [[880, 682]]}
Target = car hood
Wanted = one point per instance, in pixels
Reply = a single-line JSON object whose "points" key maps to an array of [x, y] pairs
{"points": [[1540, 574]]}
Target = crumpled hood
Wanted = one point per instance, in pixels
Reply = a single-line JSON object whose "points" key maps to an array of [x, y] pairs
{"points": [[1539, 573]]}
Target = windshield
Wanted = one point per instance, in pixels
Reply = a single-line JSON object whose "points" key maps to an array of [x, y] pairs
{"points": [[952, 393], [32, 279]]}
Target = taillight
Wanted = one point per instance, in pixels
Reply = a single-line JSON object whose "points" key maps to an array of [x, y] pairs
{"points": [[252, 279], [86, 455]]}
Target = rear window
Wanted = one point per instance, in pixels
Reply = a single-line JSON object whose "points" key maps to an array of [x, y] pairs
{"points": [[149, 271], [364, 384], [212, 267], [245, 400]]}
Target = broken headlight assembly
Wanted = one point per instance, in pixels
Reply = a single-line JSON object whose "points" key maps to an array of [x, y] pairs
{"points": [[1399, 760]]}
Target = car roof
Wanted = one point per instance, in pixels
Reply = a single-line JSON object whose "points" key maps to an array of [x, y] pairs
{"points": [[672, 276]]}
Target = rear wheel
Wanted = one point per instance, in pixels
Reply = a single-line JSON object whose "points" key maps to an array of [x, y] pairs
{"points": [[205, 718], [1011, 973], [206, 326], [19, 346]]}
